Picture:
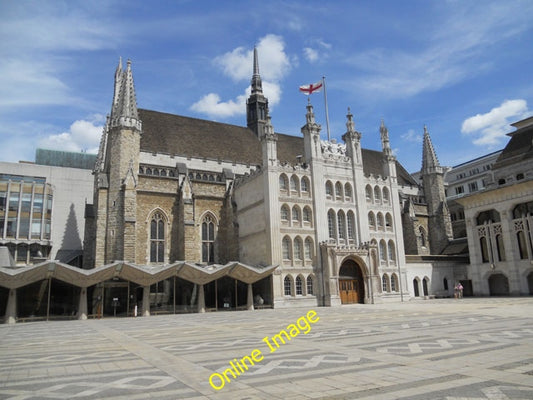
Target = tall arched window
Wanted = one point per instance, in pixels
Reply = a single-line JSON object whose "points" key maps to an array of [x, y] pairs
{"points": [[423, 237], [338, 191], [347, 192], [157, 238], [310, 285], [381, 223], [388, 222], [394, 283], [385, 283], [377, 194], [386, 197], [208, 239], [296, 214], [484, 249], [331, 224], [294, 183], [287, 286], [286, 248], [299, 285], [522, 247], [500, 248], [284, 213], [305, 185], [329, 189], [382, 252], [371, 220], [282, 182], [392, 251], [350, 223], [341, 225], [368, 193], [298, 249], [307, 215], [308, 249]]}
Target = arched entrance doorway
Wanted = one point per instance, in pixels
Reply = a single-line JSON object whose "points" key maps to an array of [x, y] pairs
{"points": [[498, 285], [351, 283]]}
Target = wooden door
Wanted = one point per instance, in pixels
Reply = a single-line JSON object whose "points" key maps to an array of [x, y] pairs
{"points": [[348, 291]]}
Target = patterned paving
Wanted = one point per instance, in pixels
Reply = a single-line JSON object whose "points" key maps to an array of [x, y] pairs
{"points": [[435, 349]]}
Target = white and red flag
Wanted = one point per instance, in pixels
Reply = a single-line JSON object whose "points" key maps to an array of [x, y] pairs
{"points": [[312, 88]]}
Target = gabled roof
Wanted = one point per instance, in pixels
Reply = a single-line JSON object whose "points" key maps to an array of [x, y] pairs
{"points": [[192, 137]]}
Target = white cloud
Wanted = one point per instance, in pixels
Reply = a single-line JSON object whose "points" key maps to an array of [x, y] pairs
{"points": [[274, 64], [411, 136], [310, 54], [83, 135], [490, 128]]}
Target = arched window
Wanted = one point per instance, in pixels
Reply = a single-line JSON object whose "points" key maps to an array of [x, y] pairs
{"points": [[338, 191], [295, 214], [522, 247], [386, 196], [371, 220], [423, 237], [392, 251], [489, 216], [445, 283], [305, 185], [425, 285], [299, 286], [394, 283], [282, 182], [500, 248], [208, 239], [157, 238], [308, 249], [329, 189], [388, 222], [331, 224], [381, 223], [385, 283], [310, 285], [298, 249], [368, 193], [382, 252], [284, 213], [377, 194], [287, 286], [350, 223], [347, 192], [307, 215], [341, 224], [294, 183], [286, 248], [484, 249]]}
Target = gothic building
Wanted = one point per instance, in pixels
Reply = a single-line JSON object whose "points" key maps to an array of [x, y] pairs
{"points": [[326, 215]]}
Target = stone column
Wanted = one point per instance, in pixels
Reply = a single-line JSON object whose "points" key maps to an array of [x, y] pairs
{"points": [[250, 299], [146, 302], [201, 299], [82, 305], [11, 309]]}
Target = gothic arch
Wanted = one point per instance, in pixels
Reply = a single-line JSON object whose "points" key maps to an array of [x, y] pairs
{"points": [[352, 277], [157, 234]]}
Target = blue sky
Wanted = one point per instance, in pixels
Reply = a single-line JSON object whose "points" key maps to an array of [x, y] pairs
{"points": [[463, 68]]}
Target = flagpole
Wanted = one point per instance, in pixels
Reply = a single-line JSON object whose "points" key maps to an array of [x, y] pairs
{"points": [[326, 103]]}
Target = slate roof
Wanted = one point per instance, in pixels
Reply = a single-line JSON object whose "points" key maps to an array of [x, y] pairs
{"points": [[186, 136], [519, 148]]}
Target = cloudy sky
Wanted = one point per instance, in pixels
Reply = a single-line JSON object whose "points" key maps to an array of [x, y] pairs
{"points": [[463, 68]]}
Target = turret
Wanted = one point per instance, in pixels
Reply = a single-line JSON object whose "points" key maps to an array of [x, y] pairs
{"points": [[311, 132]]}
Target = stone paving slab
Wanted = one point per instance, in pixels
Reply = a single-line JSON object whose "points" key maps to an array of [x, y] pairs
{"points": [[477, 348]]}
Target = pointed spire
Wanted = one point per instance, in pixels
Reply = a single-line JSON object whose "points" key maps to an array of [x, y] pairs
{"points": [[385, 143], [257, 86], [310, 116], [124, 111], [430, 163]]}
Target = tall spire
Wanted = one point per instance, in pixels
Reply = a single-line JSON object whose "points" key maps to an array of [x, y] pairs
{"points": [[257, 86], [124, 111], [257, 103], [430, 163], [385, 143]]}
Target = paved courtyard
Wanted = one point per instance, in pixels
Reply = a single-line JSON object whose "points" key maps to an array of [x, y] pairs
{"points": [[433, 349]]}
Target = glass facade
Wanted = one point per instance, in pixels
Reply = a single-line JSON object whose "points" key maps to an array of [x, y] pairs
{"points": [[25, 216]]}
